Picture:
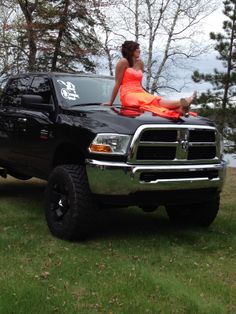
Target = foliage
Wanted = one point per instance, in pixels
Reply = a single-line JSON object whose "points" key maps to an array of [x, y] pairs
{"points": [[12, 50], [40, 35], [225, 119], [217, 113], [68, 39]]}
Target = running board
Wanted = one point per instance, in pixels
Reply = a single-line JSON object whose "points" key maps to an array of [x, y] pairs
{"points": [[3, 173]]}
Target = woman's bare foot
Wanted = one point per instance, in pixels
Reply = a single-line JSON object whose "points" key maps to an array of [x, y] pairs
{"points": [[186, 102]]}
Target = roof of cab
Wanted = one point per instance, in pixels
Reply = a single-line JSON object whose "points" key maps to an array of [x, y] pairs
{"points": [[52, 74]]}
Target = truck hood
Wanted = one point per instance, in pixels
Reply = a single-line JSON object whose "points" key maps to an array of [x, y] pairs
{"points": [[105, 119]]}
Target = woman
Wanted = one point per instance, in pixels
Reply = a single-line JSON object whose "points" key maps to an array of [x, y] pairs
{"points": [[129, 72]]}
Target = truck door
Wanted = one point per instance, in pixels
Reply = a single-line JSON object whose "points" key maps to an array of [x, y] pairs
{"points": [[34, 130], [10, 102]]}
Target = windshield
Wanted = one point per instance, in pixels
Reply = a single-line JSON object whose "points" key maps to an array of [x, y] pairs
{"points": [[78, 91]]}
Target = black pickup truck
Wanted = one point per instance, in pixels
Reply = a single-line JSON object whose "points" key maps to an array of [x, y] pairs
{"points": [[53, 127]]}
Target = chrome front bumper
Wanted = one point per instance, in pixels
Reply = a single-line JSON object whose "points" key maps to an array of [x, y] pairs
{"points": [[114, 178]]}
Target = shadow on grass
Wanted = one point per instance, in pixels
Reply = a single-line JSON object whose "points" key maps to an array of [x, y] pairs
{"points": [[31, 190], [132, 222], [111, 223]]}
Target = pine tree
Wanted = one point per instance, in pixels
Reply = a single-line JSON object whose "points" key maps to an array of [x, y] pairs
{"points": [[52, 35], [224, 82], [68, 39]]}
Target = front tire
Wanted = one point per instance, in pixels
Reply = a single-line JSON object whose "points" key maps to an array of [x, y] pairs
{"points": [[69, 207], [200, 214]]}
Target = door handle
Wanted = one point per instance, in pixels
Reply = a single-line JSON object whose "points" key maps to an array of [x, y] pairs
{"points": [[22, 120]]}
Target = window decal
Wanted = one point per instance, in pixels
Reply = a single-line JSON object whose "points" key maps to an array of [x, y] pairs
{"points": [[68, 90]]}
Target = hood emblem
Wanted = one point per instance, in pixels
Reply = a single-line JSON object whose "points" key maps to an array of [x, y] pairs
{"points": [[184, 144]]}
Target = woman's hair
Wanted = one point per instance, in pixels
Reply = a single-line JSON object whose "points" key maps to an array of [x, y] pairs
{"points": [[127, 49]]}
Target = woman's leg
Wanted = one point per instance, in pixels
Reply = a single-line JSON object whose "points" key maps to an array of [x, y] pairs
{"points": [[178, 104], [170, 104]]}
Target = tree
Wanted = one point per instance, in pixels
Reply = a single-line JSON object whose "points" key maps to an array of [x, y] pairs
{"points": [[131, 12], [104, 26], [167, 31], [5, 50], [12, 50], [68, 39], [40, 35], [158, 10], [180, 25], [223, 82], [28, 9]]}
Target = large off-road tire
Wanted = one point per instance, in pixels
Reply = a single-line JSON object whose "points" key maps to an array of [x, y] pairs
{"points": [[200, 214], [69, 207]]}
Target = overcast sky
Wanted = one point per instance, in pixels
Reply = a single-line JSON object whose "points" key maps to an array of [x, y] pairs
{"points": [[206, 62]]}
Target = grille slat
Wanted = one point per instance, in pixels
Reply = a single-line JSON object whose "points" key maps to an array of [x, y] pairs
{"points": [[157, 143], [153, 176]]}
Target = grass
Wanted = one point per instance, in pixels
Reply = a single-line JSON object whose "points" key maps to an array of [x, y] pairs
{"points": [[137, 263]]}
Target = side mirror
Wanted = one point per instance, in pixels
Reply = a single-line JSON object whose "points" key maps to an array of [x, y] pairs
{"points": [[36, 102]]}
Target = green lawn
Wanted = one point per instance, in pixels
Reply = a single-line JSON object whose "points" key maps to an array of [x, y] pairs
{"points": [[138, 263]]}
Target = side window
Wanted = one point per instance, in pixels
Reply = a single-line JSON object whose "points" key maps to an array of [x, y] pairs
{"points": [[15, 89], [41, 86]]}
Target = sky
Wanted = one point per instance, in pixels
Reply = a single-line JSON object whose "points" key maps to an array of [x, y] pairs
{"points": [[206, 62]]}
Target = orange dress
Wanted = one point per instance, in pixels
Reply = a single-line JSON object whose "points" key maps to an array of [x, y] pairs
{"points": [[134, 98]]}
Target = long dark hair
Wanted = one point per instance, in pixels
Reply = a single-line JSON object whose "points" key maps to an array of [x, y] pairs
{"points": [[127, 49]]}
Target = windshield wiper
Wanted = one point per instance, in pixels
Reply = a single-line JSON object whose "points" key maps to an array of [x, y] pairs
{"points": [[86, 104]]}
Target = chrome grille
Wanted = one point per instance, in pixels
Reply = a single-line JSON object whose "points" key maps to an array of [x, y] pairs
{"points": [[174, 144]]}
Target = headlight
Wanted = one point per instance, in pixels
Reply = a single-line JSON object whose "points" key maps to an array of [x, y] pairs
{"points": [[108, 143]]}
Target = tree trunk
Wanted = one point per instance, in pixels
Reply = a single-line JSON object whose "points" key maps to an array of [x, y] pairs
{"points": [[62, 28], [32, 49], [28, 9], [153, 28], [108, 53], [150, 46], [136, 22]]}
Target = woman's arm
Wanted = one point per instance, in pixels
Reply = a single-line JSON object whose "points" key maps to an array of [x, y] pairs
{"points": [[121, 66]]}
